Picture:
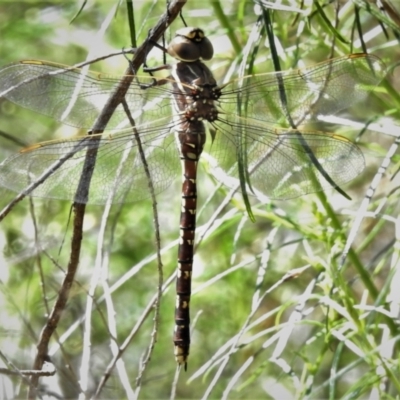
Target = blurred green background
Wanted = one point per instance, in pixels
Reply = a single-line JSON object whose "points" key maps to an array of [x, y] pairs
{"points": [[292, 345]]}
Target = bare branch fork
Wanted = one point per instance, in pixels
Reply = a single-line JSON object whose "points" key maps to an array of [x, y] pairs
{"points": [[82, 192]]}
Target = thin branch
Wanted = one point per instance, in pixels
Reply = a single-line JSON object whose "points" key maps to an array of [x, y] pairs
{"points": [[158, 245]]}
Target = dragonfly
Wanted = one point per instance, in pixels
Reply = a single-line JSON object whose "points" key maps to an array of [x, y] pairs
{"points": [[253, 124]]}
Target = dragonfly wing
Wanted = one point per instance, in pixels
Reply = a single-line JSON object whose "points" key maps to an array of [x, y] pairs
{"points": [[284, 163], [55, 167], [299, 95], [75, 97]]}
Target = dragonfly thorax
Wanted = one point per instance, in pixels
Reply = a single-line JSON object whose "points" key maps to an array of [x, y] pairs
{"points": [[195, 91]]}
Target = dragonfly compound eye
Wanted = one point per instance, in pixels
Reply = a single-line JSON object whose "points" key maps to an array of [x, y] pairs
{"points": [[189, 45]]}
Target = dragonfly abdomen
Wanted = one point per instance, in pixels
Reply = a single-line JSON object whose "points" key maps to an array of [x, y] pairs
{"points": [[192, 139]]}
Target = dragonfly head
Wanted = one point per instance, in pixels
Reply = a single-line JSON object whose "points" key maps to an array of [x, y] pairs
{"points": [[190, 44]]}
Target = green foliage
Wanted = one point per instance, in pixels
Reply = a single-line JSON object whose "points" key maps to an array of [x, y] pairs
{"points": [[276, 312]]}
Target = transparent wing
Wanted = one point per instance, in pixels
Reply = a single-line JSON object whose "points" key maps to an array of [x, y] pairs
{"points": [[77, 98], [281, 163], [119, 173], [324, 89], [286, 163]]}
